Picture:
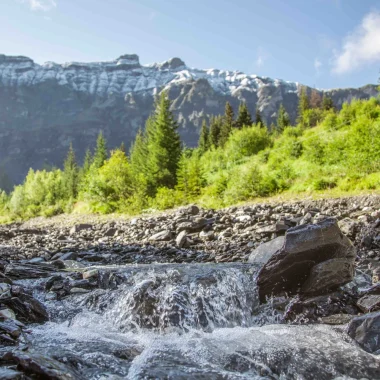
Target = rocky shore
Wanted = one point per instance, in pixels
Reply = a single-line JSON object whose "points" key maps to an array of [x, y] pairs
{"points": [[319, 262]]}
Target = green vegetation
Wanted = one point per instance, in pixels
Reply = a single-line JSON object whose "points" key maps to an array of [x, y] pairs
{"points": [[236, 160]]}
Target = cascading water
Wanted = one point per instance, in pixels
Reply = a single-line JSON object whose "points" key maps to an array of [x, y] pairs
{"points": [[189, 321]]}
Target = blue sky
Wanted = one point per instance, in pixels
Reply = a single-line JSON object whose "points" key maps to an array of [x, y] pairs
{"points": [[321, 43]]}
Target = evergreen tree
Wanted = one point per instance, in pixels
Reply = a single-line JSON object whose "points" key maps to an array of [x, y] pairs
{"points": [[228, 123], [283, 120], [244, 117], [163, 146], [122, 147], [315, 99], [138, 153], [327, 103], [215, 126], [100, 155], [87, 162], [204, 138], [70, 175], [303, 106], [258, 118], [190, 174]]}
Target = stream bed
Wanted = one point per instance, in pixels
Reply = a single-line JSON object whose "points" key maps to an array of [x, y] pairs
{"points": [[186, 321]]}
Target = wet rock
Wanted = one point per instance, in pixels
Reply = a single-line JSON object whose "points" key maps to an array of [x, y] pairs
{"points": [[365, 331], [11, 328], [69, 256], [311, 310], [41, 366], [7, 314], [91, 273], [72, 265], [369, 303], [265, 251], [10, 374], [329, 275], [337, 319], [27, 308], [305, 247], [79, 291], [24, 271]]}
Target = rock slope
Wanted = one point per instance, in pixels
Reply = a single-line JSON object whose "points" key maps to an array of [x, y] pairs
{"points": [[45, 107]]}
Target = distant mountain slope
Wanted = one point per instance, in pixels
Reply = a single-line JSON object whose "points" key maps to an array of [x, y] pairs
{"points": [[45, 107]]}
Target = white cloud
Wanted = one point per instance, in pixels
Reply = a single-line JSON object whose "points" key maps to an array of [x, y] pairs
{"points": [[40, 5], [260, 61], [361, 47], [261, 57], [317, 64]]}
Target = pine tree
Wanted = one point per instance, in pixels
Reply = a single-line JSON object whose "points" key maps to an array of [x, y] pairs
{"points": [[100, 155], [315, 99], [87, 162], [204, 138], [283, 120], [228, 124], [258, 118], [164, 147], [215, 126], [244, 117], [327, 103], [138, 153], [70, 175], [303, 106], [122, 147]]}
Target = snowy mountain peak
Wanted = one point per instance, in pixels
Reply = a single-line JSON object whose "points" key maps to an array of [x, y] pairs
{"points": [[125, 75]]}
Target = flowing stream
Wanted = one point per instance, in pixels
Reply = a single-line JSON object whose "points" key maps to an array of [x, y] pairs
{"points": [[200, 321]]}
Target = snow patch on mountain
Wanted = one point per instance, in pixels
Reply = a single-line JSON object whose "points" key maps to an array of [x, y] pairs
{"points": [[126, 74]]}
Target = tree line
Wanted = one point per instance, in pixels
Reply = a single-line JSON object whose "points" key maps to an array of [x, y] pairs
{"points": [[237, 158]]}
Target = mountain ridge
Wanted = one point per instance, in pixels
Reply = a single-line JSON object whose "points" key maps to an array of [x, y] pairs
{"points": [[45, 107]]}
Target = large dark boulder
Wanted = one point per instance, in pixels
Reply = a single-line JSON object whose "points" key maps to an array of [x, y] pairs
{"points": [[314, 259], [365, 330]]}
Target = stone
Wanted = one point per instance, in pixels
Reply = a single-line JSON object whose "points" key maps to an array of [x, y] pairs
{"points": [[207, 235], [69, 256], [365, 330], [72, 265], [10, 374], [243, 218], [79, 291], [337, 319], [39, 366], [27, 308], [329, 275], [7, 314], [111, 232], [265, 251], [181, 239], [311, 310], [164, 235], [369, 303], [192, 209], [376, 275], [347, 226], [80, 227], [90, 273], [24, 271], [305, 247]]}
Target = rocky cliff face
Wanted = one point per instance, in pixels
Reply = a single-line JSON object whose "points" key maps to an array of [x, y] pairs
{"points": [[45, 107]]}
